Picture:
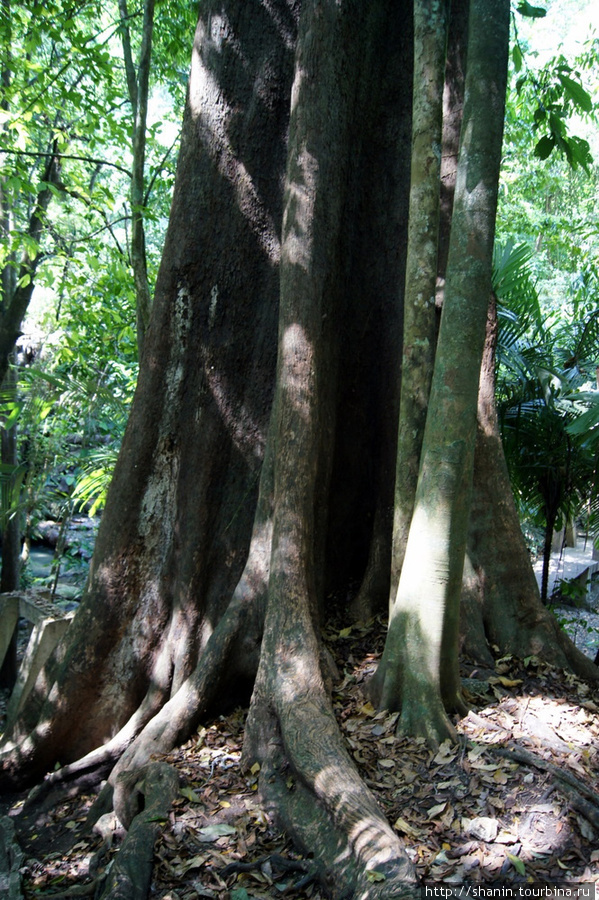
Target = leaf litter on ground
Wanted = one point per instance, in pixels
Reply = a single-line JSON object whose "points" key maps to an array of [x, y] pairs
{"points": [[514, 801]]}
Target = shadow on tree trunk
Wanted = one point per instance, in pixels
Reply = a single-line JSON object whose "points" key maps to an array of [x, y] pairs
{"points": [[255, 481]]}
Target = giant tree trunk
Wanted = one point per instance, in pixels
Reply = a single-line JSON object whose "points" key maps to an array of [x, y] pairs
{"points": [[174, 611], [253, 489], [291, 725], [174, 537]]}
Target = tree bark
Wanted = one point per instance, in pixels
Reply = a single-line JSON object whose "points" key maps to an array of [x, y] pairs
{"points": [[501, 604], [175, 534], [290, 701], [420, 320], [138, 81], [453, 112], [10, 577], [15, 304], [254, 488], [131, 872], [418, 672]]}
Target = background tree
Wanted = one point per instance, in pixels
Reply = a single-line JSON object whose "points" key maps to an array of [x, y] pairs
{"points": [[544, 361], [61, 86]]}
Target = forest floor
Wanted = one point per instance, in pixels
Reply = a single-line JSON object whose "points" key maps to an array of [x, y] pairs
{"points": [[514, 802]]}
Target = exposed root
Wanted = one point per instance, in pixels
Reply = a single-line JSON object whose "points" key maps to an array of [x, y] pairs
{"points": [[346, 860], [581, 797], [560, 774], [131, 872], [307, 870], [45, 793], [176, 720], [338, 868], [87, 771], [77, 890], [310, 785], [432, 723], [11, 859]]}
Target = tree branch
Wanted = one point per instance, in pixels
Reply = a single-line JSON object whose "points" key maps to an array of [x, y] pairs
{"points": [[90, 159]]}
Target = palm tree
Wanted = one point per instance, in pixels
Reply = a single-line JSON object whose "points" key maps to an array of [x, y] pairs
{"points": [[542, 363]]}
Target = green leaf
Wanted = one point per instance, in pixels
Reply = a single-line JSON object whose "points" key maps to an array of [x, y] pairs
{"points": [[212, 833], [517, 57], [544, 147], [520, 84], [13, 416], [576, 92], [190, 794], [534, 12], [578, 153], [373, 875], [585, 422], [517, 863]]}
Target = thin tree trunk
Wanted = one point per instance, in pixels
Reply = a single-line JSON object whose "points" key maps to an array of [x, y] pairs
{"points": [[138, 81], [418, 672], [379, 583], [453, 112], [14, 306], [420, 320], [550, 520], [10, 577]]}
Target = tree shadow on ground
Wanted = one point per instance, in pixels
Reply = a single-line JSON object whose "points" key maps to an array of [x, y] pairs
{"points": [[469, 813]]}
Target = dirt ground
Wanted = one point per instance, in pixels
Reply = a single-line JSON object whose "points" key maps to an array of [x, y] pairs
{"points": [[514, 802]]}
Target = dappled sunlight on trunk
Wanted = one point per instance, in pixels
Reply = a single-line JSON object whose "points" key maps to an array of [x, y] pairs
{"points": [[214, 117], [253, 498]]}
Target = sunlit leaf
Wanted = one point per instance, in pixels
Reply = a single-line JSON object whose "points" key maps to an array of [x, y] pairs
{"points": [[405, 827], [435, 811], [373, 875], [195, 862], [517, 57], [508, 682], [517, 863], [213, 832], [576, 92], [446, 753]]}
